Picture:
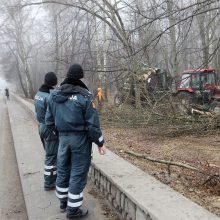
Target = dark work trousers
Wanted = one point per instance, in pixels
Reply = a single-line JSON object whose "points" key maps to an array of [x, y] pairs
{"points": [[73, 161], [50, 140]]}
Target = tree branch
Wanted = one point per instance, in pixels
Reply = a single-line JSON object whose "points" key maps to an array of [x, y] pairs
{"points": [[186, 166]]}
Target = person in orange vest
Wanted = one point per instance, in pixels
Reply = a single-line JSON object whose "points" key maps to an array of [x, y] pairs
{"points": [[100, 96]]}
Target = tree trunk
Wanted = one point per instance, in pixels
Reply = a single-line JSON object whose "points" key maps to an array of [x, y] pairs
{"points": [[20, 78], [56, 45], [204, 32], [172, 34]]}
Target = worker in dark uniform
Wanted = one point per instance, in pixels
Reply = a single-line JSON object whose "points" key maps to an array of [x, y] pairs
{"points": [[49, 137], [76, 119]]}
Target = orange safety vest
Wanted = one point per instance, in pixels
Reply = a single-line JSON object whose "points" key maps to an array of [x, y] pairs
{"points": [[100, 95]]}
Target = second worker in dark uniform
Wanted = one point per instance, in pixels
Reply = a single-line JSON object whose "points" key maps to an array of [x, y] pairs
{"points": [[49, 137], [72, 110]]}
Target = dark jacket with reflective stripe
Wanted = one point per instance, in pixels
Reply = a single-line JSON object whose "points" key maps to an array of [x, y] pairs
{"points": [[40, 103], [73, 109]]}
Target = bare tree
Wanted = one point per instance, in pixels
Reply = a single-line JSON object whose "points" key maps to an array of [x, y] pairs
{"points": [[111, 38]]}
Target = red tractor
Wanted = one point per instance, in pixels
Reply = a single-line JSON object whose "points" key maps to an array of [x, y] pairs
{"points": [[198, 90]]}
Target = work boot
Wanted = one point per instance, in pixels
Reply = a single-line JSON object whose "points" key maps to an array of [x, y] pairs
{"points": [[63, 206], [78, 213], [49, 188]]}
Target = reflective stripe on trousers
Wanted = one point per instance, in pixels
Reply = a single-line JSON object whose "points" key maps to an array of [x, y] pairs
{"points": [[62, 193], [50, 170], [74, 200]]}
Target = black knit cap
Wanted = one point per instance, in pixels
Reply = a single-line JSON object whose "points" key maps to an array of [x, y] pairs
{"points": [[50, 79], [75, 72]]}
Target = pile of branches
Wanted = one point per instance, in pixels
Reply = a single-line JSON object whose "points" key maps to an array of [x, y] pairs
{"points": [[162, 117]]}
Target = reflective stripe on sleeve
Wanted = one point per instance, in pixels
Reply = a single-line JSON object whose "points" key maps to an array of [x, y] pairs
{"points": [[101, 139]]}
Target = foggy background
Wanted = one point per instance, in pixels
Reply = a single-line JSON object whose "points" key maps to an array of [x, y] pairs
{"points": [[109, 38]]}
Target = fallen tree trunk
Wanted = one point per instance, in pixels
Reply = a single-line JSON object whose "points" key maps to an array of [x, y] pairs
{"points": [[196, 111], [169, 163], [182, 165]]}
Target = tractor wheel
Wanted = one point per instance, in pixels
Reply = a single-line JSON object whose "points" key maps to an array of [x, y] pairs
{"points": [[184, 102], [215, 107], [118, 99]]}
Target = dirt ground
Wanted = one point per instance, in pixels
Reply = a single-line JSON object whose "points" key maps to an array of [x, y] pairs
{"points": [[202, 152]]}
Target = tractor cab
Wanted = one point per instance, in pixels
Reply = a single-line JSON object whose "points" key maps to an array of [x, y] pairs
{"points": [[197, 87], [199, 79]]}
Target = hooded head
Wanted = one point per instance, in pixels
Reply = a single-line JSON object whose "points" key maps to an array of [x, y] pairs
{"points": [[75, 72], [50, 79]]}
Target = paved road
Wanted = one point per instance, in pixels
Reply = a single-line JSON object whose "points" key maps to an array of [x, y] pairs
{"points": [[12, 204]]}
